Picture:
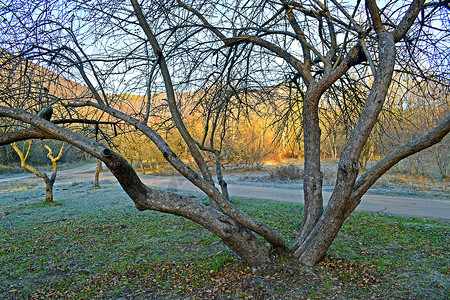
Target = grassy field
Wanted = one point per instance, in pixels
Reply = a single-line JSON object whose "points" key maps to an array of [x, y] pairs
{"points": [[92, 243]]}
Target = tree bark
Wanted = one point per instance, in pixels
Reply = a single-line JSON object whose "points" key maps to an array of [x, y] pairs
{"points": [[312, 181]]}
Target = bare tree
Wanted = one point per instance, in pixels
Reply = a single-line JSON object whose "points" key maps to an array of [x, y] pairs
{"points": [[187, 50], [49, 181]]}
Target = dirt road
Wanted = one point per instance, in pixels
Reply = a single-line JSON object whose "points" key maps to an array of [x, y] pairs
{"points": [[411, 207]]}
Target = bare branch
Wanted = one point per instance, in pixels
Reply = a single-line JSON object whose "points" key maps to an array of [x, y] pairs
{"points": [[207, 187], [407, 21], [368, 179], [375, 15], [171, 94], [299, 66]]}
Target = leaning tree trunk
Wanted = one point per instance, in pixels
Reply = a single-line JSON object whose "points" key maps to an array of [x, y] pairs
{"points": [[228, 226], [240, 239]]}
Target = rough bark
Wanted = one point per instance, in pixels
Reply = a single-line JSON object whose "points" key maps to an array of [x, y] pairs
{"points": [[312, 182], [48, 190]]}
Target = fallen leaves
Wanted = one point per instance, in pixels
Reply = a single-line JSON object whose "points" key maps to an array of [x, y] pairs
{"points": [[350, 272]]}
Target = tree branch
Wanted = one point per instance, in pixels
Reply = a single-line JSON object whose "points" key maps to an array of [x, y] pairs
{"points": [[228, 42], [26, 134], [171, 94], [375, 15], [371, 176], [207, 187], [82, 121], [407, 21]]}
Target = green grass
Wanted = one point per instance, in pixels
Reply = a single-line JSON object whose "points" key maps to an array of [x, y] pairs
{"points": [[94, 244]]}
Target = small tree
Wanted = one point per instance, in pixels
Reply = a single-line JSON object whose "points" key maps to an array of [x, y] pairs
{"points": [[49, 182]]}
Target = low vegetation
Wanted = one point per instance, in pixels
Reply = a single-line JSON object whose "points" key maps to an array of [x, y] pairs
{"points": [[286, 173], [397, 182], [95, 244]]}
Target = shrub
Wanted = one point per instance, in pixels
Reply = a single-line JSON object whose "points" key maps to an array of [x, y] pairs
{"points": [[286, 173]]}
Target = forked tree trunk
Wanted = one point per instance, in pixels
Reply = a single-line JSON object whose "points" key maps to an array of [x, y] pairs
{"points": [[49, 182], [311, 248]]}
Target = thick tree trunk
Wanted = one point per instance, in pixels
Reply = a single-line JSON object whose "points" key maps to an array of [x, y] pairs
{"points": [[312, 181]]}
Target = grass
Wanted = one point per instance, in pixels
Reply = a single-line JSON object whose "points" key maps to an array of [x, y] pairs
{"points": [[92, 243]]}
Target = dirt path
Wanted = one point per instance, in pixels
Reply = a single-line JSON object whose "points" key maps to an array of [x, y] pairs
{"points": [[411, 207]]}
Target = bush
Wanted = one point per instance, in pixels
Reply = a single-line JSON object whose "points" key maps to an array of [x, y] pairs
{"points": [[286, 173], [11, 170]]}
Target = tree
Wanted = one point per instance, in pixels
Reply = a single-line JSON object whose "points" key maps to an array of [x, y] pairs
{"points": [[49, 182], [223, 58], [98, 169]]}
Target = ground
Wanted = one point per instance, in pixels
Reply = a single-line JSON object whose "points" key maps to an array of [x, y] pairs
{"points": [[92, 243]]}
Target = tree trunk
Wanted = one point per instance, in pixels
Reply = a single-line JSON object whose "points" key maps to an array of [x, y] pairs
{"points": [[312, 180], [97, 173], [238, 238], [48, 189], [310, 249]]}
